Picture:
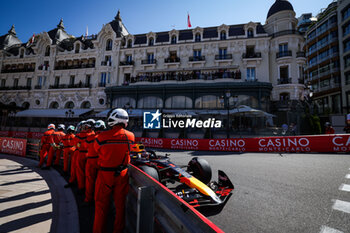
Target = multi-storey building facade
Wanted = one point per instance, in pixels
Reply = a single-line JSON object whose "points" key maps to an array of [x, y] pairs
{"points": [[344, 49], [327, 45], [189, 69]]}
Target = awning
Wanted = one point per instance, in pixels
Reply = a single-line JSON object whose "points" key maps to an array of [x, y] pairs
{"points": [[53, 113], [131, 112]]}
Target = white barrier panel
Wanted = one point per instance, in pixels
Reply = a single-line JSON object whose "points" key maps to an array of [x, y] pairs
{"points": [[168, 212]]}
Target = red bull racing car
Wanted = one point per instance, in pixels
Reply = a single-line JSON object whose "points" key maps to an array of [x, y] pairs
{"points": [[191, 182]]}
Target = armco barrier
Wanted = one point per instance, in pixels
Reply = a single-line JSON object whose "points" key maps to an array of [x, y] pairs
{"points": [[156, 209], [315, 143]]}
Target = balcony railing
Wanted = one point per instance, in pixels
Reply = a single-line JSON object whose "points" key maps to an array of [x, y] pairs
{"points": [[223, 57], [287, 53], [126, 63], [286, 32], [82, 66], [301, 54], [65, 86], [149, 61], [329, 87], [106, 63], [18, 70], [16, 88], [251, 55], [196, 58], [284, 80], [172, 60]]}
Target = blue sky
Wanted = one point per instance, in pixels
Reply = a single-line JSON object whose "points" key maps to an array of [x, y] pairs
{"points": [[138, 16]]}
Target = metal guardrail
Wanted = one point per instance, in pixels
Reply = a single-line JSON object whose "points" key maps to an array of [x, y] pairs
{"points": [[156, 209]]}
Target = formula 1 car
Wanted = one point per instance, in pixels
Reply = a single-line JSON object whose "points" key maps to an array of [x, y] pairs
{"points": [[190, 182]]}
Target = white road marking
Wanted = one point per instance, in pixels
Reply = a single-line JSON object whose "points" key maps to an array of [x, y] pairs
{"points": [[325, 229], [343, 206], [345, 187], [347, 176]]}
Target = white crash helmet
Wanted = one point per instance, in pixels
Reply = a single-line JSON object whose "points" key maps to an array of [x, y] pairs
{"points": [[100, 125], [118, 116], [70, 129], [51, 126], [90, 123], [61, 126]]}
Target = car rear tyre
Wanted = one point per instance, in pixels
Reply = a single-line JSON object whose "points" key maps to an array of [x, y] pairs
{"points": [[152, 172], [200, 169]]}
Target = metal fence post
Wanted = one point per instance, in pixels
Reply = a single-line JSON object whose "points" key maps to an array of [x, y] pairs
{"points": [[145, 210]]}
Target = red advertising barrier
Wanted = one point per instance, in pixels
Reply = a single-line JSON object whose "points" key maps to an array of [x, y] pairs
{"points": [[21, 134], [13, 146], [320, 143]]}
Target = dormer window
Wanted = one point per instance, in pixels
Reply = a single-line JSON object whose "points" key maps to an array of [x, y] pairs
{"points": [[109, 45], [150, 41], [77, 48], [223, 35], [198, 37], [173, 39], [129, 45], [250, 33], [47, 51]]}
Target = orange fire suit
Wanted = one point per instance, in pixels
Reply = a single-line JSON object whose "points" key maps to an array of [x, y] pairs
{"points": [[73, 164], [46, 139], [81, 159], [68, 149], [113, 149], [57, 139], [91, 168]]}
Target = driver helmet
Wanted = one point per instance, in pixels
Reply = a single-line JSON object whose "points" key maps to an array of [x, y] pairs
{"points": [[51, 126]]}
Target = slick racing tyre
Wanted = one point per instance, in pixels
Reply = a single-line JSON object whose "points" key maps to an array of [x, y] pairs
{"points": [[200, 169], [151, 171]]}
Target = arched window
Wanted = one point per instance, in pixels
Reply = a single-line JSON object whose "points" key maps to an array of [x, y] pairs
{"points": [[69, 105], [25, 105], [109, 44], [223, 35], [198, 37], [129, 45], [284, 96], [21, 53], [47, 51], [150, 41], [122, 102], [77, 48], [173, 39], [250, 33], [150, 102], [54, 105], [86, 105], [208, 101], [178, 102]]}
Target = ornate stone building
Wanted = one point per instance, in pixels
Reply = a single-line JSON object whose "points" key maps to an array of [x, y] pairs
{"points": [[178, 69]]}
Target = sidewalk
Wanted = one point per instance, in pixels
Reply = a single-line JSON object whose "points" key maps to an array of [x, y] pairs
{"points": [[34, 200]]}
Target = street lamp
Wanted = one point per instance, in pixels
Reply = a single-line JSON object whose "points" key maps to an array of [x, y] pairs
{"points": [[69, 114], [226, 99]]}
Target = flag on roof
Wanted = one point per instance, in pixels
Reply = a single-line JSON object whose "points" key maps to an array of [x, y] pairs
{"points": [[188, 20]]}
